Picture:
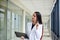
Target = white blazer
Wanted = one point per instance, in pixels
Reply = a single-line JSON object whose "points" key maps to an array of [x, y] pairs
{"points": [[34, 34]]}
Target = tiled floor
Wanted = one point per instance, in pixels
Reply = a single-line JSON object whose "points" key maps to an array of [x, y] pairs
{"points": [[46, 35]]}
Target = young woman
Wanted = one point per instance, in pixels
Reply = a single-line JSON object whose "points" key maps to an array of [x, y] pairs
{"points": [[35, 29]]}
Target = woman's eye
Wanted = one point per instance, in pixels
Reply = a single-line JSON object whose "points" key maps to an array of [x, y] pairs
{"points": [[34, 15]]}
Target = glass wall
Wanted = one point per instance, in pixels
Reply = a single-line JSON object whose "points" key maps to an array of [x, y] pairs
{"points": [[3, 25], [8, 25], [11, 17], [14, 21], [11, 20], [27, 20]]}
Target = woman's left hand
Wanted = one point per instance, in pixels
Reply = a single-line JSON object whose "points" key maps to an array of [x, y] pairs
{"points": [[37, 25]]}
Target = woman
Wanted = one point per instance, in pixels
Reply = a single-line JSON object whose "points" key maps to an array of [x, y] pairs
{"points": [[34, 30]]}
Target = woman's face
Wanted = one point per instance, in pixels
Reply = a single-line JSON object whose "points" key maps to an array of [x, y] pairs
{"points": [[34, 19]]}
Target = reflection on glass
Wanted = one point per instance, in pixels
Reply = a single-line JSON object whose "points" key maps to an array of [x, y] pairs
{"points": [[2, 28], [8, 25]]}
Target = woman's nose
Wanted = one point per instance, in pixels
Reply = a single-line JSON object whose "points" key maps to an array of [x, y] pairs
{"points": [[33, 17]]}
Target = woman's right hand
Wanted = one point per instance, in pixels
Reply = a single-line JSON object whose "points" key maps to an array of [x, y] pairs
{"points": [[22, 37]]}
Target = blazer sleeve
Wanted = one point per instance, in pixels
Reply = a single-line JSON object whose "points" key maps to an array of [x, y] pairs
{"points": [[38, 32], [28, 28]]}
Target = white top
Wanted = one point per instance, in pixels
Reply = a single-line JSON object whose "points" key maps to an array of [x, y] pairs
{"points": [[34, 34]]}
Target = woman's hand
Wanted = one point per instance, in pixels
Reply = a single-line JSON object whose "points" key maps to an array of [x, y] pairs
{"points": [[37, 25], [22, 37]]}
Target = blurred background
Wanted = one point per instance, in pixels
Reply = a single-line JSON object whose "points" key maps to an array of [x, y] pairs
{"points": [[15, 14]]}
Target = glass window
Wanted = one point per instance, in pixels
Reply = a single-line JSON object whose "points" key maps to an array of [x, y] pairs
{"points": [[27, 19], [2, 28], [8, 25], [13, 27], [3, 5], [14, 21], [16, 25]]}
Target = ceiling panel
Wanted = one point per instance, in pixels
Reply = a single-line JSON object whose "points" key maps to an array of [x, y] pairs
{"points": [[43, 6]]}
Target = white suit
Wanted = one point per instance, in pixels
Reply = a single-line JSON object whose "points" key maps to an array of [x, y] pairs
{"points": [[34, 34]]}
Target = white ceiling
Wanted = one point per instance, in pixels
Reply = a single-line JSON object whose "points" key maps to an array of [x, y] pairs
{"points": [[43, 6]]}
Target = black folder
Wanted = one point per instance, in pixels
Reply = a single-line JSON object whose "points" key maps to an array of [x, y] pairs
{"points": [[19, 34]]}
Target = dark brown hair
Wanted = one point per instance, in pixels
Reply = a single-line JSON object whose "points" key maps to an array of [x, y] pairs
{"points": [[39, 18]]}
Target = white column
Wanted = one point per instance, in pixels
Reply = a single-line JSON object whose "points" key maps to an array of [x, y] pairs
{"points": [[24, 21]]}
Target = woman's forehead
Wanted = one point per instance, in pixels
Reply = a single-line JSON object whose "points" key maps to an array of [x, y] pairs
{"points": [[34, 13]]}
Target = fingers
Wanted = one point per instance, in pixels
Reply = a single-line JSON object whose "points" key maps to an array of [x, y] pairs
{"points": [[37, 26], [22, 37]]}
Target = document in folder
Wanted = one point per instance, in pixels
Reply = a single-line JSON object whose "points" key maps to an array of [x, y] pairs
{"points": [[19, 34]]}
